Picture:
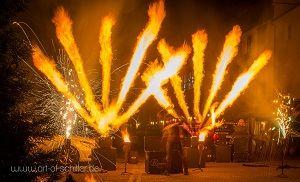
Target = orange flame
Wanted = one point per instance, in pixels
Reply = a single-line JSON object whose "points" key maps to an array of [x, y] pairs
{"points": [[199, 40], [106, 57], [155, 82], [156, 15], [47, 67], [243, 81], [155, 76], [166, 51], [229, 51], [64, 33], [213, 114], [125, 135]]}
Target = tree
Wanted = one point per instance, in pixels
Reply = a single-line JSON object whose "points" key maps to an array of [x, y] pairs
{"points": [[20, 128]]}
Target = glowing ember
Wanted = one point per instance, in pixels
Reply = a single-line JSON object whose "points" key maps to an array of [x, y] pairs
{"points": [[64, 33]]}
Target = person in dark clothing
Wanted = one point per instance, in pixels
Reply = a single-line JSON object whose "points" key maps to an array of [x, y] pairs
{"points": [[175, 137]]}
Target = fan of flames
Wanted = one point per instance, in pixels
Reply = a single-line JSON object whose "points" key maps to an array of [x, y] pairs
{"points": [[106, 116]]}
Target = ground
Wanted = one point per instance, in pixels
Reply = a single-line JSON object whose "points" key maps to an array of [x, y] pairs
{"points": [[230, 172]]}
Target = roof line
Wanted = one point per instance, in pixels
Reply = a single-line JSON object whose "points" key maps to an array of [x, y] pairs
{"points": [[291, 9]]}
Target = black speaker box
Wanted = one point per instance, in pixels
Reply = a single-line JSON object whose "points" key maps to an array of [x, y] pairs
{"points": [[155, 162], [133, 157], [152, 143], [223, 153], [105, 158], [241, 144]]}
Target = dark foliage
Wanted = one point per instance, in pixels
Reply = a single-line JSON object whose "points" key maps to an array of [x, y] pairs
{"points": [[20, 129]]}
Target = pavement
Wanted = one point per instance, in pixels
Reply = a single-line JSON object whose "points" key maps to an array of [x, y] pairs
{"points": [[223, 172]]}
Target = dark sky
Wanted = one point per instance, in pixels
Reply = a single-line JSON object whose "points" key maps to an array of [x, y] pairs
{"points": [[183, 18]]}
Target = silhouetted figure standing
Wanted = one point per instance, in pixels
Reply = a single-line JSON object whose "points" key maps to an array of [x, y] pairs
{"points": [[173, 137]]}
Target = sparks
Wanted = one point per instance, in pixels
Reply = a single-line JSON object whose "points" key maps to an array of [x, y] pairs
{"points": [[64, 33], [47, 67]]}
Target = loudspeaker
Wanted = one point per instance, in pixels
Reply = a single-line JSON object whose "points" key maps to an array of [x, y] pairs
{"points": [[241, 149], [152, 143], [105, 158], [223, 153], [133, 157], [241, 144], [155, 162]]}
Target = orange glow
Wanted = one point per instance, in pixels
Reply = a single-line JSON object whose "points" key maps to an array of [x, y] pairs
{"points": [[125, 136], [89, 178], [202, 136], [166, 51], [213, 115], [243, 81], [63, 25], [47, 67], [199, 40], [106, 57], [156, 13], [229, 51], [155, 76]]}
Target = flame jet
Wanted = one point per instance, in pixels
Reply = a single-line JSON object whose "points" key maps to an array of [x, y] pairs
{"points": [[199, 41], [155, 78], [160, 95], [47, 67], [243, 81], [64, 33], [213, 114], [106, 57], [229, 51], [166, 51], [156, 13]]}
